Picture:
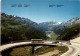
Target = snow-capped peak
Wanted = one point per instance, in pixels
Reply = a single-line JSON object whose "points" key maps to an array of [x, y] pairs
{"points": [[59, 22]]}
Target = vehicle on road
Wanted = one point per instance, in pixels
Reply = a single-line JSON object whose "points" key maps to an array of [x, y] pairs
{"points": [[68, 43], [36, 40], [55, 42]]}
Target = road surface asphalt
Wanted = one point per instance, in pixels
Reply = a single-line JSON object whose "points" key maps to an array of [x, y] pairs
{"points": [[74, 48]]}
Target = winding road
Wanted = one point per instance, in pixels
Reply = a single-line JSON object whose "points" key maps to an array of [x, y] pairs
{"points": [[74, 48]]}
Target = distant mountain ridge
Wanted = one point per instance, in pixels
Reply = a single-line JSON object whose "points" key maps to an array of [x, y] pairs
{"points": [[75, 19], [72, 21], [20, 20], [48, 25], [51, 25], [61, 27]]}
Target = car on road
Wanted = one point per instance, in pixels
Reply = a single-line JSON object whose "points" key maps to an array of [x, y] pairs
{"points": [[68, 43], [55, 42]]}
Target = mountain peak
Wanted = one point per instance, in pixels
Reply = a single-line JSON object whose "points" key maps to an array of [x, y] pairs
{"points": [[75, 19]]}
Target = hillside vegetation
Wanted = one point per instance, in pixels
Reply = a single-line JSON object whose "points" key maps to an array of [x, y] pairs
{"points": [[69, 33], [16, 28], [27, 51]]}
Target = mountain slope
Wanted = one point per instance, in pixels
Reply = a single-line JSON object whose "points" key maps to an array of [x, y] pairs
{"points": [[61, 27], [14, 28], [69, 33]]}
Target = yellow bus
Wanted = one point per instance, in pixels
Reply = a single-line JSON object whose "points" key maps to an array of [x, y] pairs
{"points": [[36, 40]]}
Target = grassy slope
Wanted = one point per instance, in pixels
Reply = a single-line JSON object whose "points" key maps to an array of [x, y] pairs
{"points": [[26, 50], [15, 29], [68, 34]]}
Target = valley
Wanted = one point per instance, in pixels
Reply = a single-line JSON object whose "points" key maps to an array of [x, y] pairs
{"points": [[15, 29]]}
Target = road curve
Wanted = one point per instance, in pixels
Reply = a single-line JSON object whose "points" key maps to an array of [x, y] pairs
{"points": [[74, 48], [73, 51], [3, 47], [7, 46]]}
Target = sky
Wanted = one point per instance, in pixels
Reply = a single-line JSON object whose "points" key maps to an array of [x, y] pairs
{"points": [[42, 10]]}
